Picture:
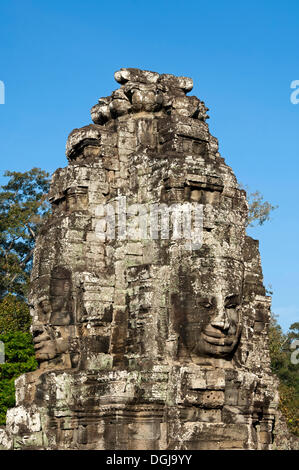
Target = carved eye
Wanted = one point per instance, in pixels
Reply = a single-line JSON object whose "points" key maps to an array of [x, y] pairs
{"points": [[232, 301], [206, 304], [233, 305]]}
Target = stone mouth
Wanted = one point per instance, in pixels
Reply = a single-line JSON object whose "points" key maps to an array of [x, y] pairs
{"points": [[217, 338], [40, 342], [38, 346]]}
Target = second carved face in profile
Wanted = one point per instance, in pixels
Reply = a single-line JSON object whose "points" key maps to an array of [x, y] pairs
{"points": [[54, 315]]}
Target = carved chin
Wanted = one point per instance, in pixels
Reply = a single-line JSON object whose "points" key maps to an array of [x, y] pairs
{"points": [[45, 350], [42, 356]]}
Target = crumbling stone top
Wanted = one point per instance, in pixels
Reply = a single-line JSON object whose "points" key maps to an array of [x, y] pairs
{"points": [[145, 76], [141, 91], [147, 91]]}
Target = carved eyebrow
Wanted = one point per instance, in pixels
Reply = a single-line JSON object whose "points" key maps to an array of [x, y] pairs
{"points": [[205, 300]]}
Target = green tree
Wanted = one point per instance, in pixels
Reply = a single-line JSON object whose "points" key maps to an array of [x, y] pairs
{"points": [[19, 358], [14, 315], [23, 207], [294, 331], [286, 371]]}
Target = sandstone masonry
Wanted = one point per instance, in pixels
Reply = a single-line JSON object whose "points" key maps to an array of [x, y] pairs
{"points": [[144, 343]]}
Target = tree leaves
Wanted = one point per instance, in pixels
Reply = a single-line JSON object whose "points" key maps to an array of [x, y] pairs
{"points": [[23, 208], [259, 210], [19, 358], [14, 315], [288, 373]]}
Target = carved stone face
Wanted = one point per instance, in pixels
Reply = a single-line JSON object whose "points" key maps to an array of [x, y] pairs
{"points": [[207, 310], [51, 341]]}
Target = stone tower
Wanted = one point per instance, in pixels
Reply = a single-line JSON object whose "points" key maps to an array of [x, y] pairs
{"points": [[150, 319]]}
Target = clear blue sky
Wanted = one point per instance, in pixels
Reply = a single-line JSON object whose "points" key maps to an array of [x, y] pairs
{"points": [[58, 58]]}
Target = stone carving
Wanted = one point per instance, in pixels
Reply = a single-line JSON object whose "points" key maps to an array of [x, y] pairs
{"points": [[146, 342], [51, 330], [209, 321]]}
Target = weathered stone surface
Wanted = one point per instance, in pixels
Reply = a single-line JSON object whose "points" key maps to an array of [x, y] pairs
{"points": [[146, 341]]}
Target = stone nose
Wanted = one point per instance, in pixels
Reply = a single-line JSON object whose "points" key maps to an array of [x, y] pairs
{"points": [[221, 321]]}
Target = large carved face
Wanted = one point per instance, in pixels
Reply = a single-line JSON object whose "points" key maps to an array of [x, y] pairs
{"points": [[207, 309], [50, 332]]}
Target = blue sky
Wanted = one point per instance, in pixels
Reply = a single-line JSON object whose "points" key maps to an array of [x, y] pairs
{"points": [[58, 58]]}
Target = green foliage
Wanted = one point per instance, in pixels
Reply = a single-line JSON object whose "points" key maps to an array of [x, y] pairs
{"points": [[19, 358], [289, 406], [288, 373], [23, 206], [14, 315]]}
